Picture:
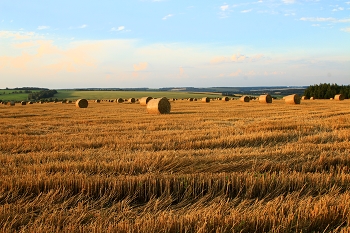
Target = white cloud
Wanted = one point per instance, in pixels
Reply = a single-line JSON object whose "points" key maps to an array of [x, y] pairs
{"points": [[43, 27], [83, 26], [345, 29], [246, 11], [338, 9], [288, 1], [329, 19], [224, 7], [120, 28], [167, 16]]}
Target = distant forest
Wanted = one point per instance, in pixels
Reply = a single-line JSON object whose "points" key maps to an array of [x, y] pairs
{"points": [[327, 91], [42, 94]]}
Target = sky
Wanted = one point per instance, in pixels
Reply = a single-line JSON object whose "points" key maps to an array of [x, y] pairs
{"points": [[173, 43]]}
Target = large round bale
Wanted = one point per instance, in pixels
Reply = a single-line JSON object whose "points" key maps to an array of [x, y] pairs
{"points": [[339, 97], [267, 99], [224, 99], [23, 103], [312, 98], [205, 99], [81, 103], [119, 100], [159, 106], [131, 100], [11, 103], [244, 98], [190, 99], [97, 101], [304, 97], [292, 99], [144, 100]]}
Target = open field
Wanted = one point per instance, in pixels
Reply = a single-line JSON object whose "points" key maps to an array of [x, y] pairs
{"points": [[206, 167], [70, 94], [74, 95]]}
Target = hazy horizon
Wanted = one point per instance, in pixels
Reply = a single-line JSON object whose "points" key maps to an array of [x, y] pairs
{"points": [[167, 43]]}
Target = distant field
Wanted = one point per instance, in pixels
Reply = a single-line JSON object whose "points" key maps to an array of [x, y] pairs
{"points": [[67, 94], [6, 95], [206, 167]]}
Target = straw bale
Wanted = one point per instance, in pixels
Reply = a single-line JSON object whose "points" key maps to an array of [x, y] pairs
{"points": [[205, 99], [304, 97], [81, 103], [23, 103], [339, 97], [190, 99], [292, 99], [312, 98], [159, 106], [11, 103], [145, 100], [244, 98], [97, 101], [224, 99], [265, 99], [131, 100], [119, 100]]}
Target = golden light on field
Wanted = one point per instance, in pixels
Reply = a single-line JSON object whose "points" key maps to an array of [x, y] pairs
{"points": [[216, 167]]}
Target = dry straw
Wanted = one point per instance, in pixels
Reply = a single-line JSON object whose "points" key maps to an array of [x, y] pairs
{"points": [[224, 99], [119, 100], [81, 103], [159, 106], [244, 98], [131, 100], [145, 100], [292, 99], [11, 103], [205, 99], [339, 97], [267, 99]]}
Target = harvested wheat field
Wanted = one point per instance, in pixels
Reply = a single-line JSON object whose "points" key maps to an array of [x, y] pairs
{"points": [[216, 167]]}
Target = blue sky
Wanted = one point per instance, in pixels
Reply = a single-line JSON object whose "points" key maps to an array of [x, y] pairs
{"points": [[168, 43]]}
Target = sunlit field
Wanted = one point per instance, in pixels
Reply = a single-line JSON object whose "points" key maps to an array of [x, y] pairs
{"points": [[205, 167]]}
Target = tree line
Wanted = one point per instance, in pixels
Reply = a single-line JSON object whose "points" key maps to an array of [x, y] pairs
{"points": [[327, 91], [41, 94]]}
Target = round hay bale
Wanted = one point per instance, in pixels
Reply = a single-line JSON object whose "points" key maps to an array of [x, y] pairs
{"points": [[131, 100], [159, 106], [267, 99], [190, 99], [205, 99], [195, 99], [312, 98], [304, 97], [11, 103], [23, 103], [244, 98], [97, 101], [145, 100], [81, 103], [339, 97], [331, 98], [119, 100], [292, 99], [69, 101], [30, 102], [224, 99]]}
